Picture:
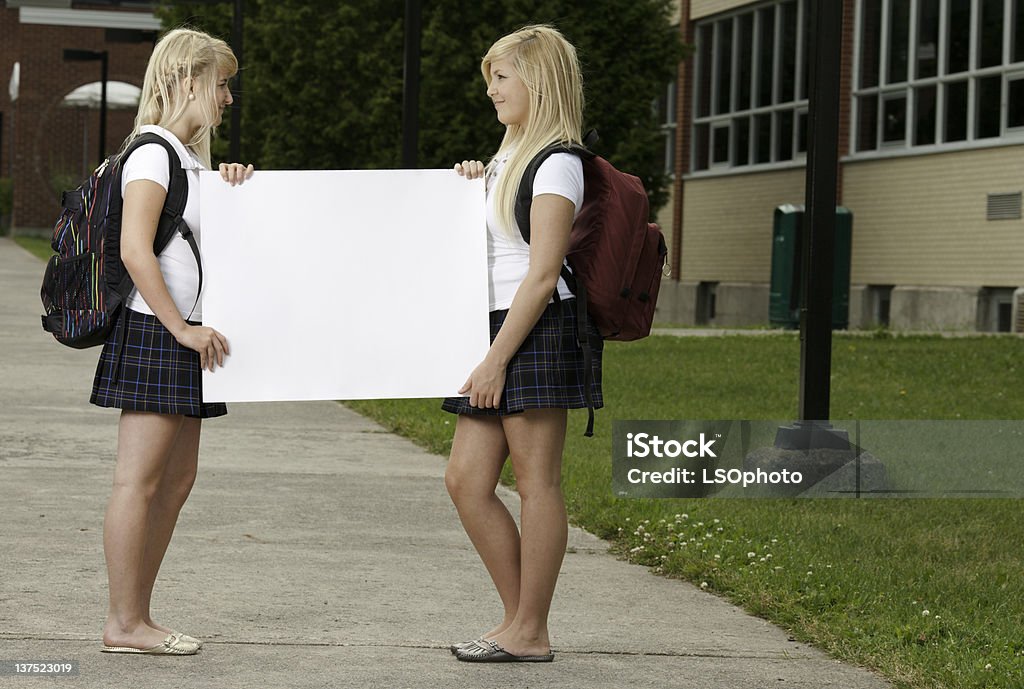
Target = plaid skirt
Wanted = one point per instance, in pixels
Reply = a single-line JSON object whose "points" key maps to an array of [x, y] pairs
{"points": [[547, 370], [155, 373]]}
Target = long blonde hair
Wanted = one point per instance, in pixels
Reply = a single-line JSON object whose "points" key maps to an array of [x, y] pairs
{"points": [[184, 58], [547, 65]]}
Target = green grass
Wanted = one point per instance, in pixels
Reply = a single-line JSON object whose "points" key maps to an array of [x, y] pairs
{"points": [[37, 246], [852, 577]]}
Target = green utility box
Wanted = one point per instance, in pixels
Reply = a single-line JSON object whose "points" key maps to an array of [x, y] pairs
{"points": [[784, 297]]}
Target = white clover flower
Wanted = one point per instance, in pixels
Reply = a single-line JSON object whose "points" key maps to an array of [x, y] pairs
{"points": [[717, 521], [988, 667], [778, 569], [719, 529], [751, 554], [810, 573], [925, 613], [718, 557], [761, 560], [703, 584], [768, 556]]}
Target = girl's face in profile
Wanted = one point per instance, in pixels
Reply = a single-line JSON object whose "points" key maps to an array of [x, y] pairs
{"points": [[221, 100], [224, 98], [508, 93]]}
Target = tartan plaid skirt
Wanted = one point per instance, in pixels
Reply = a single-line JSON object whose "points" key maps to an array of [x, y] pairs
{"points": [[547, 371], [156, 374]]}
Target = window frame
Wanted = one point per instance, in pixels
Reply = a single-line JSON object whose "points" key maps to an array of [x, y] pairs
{"points": [[733, 118], [883, 90]]}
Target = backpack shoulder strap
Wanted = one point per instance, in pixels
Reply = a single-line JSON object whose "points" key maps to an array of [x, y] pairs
{"points": [[177, 190], [524, 194], [172, 218]]}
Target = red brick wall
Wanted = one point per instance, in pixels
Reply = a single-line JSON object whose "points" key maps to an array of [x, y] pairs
{"points": [[845, 89], [8, 56], [56, 145], [684, 99]]}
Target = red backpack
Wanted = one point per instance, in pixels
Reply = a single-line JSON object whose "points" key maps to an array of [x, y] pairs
{"points": [[616, 256]]}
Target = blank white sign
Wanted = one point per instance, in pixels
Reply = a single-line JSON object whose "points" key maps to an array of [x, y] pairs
{"points": [[344, 284]]}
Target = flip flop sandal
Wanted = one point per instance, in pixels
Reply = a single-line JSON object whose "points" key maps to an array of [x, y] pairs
{"points": [[173, 645], [493, 652]]}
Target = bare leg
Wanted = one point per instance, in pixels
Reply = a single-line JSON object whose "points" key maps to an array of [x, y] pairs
{"points": [[478, 452], [143, 446], [172, 492], [536, 439]]}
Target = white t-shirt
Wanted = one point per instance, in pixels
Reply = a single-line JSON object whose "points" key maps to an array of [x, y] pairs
{"points": [[508, 259], [177, 263]]}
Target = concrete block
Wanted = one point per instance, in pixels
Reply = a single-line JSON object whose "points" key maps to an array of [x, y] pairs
{"points": [[934, 308], [677, 303], [739, 303]]}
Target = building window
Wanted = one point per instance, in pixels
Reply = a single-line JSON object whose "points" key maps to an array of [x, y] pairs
{"points": [[995, 309], [666, 109], [880, 300], [937, 72], [706, 303], [750, 106]]}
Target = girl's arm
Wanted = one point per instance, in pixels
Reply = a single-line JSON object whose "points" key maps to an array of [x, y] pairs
{"points": [[143, 204], [551, 218]]}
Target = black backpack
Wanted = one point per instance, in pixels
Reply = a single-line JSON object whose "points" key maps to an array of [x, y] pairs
{"points": [[86, 283]]}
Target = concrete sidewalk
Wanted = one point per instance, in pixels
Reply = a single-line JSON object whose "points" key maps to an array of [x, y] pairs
{"points": [[317, 550]]}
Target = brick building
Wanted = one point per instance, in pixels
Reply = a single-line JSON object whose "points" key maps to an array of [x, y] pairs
{"points": [[44, 145]]}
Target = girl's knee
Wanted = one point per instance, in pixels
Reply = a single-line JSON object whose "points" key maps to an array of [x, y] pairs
{"points": [[454, 481], [466, 484]]}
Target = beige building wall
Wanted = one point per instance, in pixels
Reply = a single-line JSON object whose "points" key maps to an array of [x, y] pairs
{"points": [[921, 220], [676, 12], [705, 8], [727, 224]]}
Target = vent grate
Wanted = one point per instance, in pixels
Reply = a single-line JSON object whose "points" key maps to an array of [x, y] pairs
{"points": [[1004, 206]]}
